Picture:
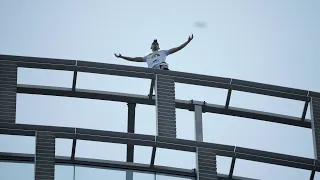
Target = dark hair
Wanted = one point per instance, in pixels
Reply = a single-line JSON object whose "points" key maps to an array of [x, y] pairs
{"points": [[155, 41]]}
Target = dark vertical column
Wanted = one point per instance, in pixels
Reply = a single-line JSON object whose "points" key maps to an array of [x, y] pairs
{"points": [[165, 105], [315, 123], [131, 124], [130, 148], [206, 164], [8, 91], [45, 156]]}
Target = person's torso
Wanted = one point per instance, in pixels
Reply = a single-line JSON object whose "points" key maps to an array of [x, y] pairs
{"points": [[156, 58]]}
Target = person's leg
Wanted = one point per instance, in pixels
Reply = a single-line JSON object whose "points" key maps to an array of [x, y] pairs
{"points": [[164, 67]]}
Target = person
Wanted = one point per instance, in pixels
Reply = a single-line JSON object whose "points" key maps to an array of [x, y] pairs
{"points": [[157, 59]]}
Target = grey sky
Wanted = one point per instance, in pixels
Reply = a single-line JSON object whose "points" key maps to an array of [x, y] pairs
{"points": [[275, 42]]}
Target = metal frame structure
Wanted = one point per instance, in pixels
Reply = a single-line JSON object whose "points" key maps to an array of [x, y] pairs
{"points": [[205, 151]]}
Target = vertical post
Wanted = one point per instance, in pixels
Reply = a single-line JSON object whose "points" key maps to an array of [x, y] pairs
{"points": [[313, 173], [131, 122], [8, 91], [229, 95], [129, 174], [130, 148], [74, 81], [45, 156], [315, 124], [74, 145], [165, 106], [233, 162], [198, 120]]}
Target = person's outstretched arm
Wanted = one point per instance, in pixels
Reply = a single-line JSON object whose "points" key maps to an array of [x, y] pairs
{"points": [[134, 59], [176, 49]]}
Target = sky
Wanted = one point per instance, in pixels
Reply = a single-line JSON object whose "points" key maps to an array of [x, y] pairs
{"points": [[275, 42]]}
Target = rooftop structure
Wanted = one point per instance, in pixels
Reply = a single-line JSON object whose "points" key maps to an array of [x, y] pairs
{"points": [[163, 83]]}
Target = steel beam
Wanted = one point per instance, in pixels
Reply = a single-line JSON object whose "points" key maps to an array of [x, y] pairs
{"points": [[275, 158], [270, 90], [16, 157], [42, 63], [182, 104], [314, 94], [226, 177], [112, 69], [63, 160], [30, 130]]}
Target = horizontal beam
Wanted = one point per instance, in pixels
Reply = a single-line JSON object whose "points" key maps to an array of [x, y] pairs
{"points": [[182, 104], [275, 158], [168, 143], [180, 77], [270, 90], [126, 165], [226, 177], [17, 157], [62, 160], [30, 130], [112, 69], [314, 94], [41, 63]]}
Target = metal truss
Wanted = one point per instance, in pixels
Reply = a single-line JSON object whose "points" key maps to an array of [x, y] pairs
{"points": [[130, 138], [162, 142], [180, 77], [63, 160], [182, 104]]}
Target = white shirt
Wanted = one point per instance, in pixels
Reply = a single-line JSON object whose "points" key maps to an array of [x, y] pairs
{"points": [[156, 58]]}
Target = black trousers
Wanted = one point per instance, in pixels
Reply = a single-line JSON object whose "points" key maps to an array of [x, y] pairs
{"points": [[164, 67]]}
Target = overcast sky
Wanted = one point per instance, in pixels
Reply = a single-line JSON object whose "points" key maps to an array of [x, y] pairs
{"points": [[275, 42]]}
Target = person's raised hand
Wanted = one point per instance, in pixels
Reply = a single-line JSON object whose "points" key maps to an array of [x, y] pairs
{"points": [[190, 38], [118, 56]]}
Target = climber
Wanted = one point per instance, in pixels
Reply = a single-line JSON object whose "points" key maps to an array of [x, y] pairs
{"points": [[156, 59]]}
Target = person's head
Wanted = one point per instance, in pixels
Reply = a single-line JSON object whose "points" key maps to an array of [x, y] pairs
{"points": [[155, 45]]}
